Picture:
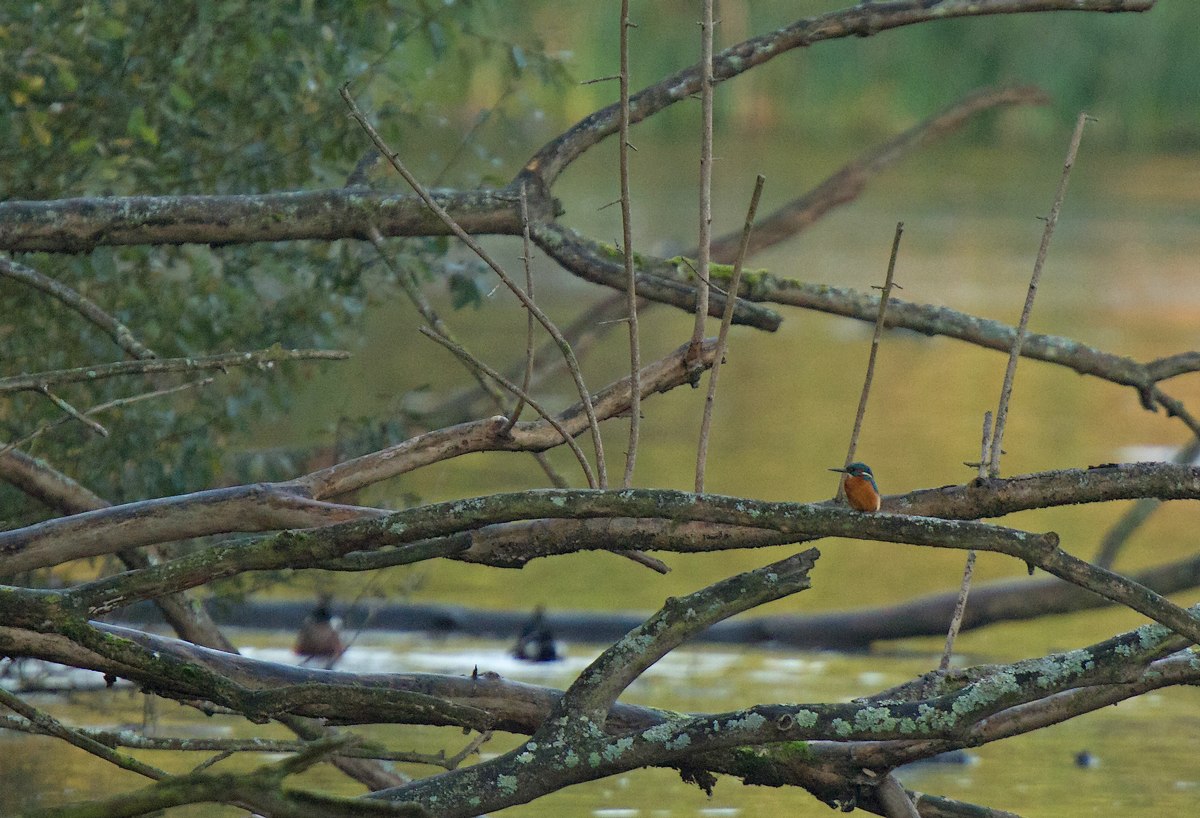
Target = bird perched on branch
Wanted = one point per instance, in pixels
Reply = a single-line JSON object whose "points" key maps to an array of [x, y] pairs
{"points": [[860, 486], [318, 637]]}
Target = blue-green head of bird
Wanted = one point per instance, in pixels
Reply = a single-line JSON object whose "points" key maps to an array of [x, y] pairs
{"points": [[861, 470]]}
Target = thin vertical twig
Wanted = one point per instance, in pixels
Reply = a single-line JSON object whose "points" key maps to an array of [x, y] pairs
{"points": [[726, 321], [884, 297], [526, 251], [467, 239], [706, 152], [964, 589], [1015, 354], [635, 353], [985, 445]]}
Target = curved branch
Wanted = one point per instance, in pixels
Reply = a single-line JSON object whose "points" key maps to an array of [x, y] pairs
{"points": [[591, 695], [120, 333], [859, 21], [259, 507]]}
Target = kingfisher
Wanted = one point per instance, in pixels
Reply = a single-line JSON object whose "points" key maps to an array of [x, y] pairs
{"points": [[860, 486]]}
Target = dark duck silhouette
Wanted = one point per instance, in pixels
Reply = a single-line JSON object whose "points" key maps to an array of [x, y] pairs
{"points": [[318, 637], [536, 641]]}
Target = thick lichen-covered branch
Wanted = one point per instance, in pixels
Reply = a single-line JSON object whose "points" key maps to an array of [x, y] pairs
{"points": [[599, 685], [547, 762], [419, 530], [772, 744]]}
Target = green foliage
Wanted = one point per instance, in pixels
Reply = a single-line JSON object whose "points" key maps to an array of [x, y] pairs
{"points": [[141, 97]]}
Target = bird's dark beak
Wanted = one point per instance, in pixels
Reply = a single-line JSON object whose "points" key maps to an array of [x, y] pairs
{"points": [[843, 471]]}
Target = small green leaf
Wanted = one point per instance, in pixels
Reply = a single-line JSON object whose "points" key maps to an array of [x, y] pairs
{"points": [[137, 126], [181, 97]]}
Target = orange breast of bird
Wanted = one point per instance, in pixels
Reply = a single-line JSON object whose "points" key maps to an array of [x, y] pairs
{"points": [[861, 494]]}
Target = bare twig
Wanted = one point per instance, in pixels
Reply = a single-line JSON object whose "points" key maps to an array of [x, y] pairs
{"points": [[985, 445], [1015, 354], [263, 358], [706, 152], [659, 376], [73, 413], [52, 726], [467, 239], [635, 353], [527, 251], [211, 760], [879, 322], [223, 746], [960, 606], [471, 360], [726, 320], [120, 333], [102, 407], [466, 752]]}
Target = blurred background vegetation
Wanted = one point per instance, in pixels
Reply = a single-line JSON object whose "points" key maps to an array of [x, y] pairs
{"points": [[139, 97]]}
